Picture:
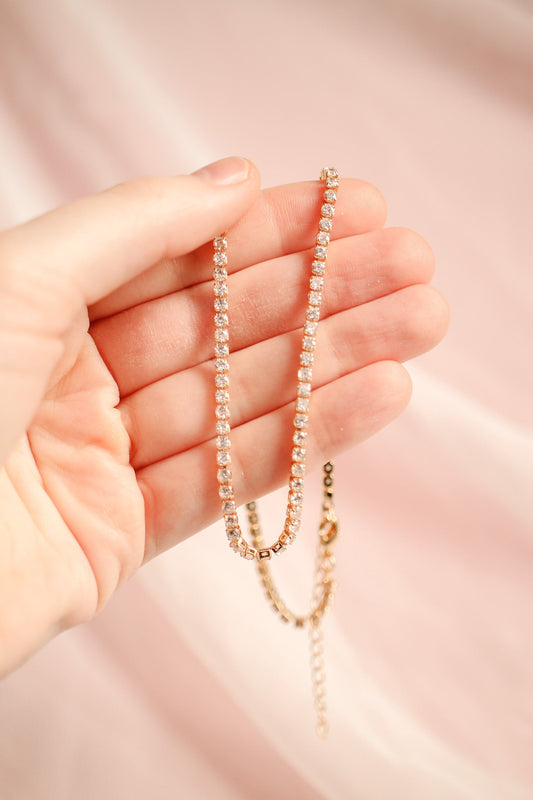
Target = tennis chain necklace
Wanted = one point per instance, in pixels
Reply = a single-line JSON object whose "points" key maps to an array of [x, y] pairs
{"points": [[324, 584]]}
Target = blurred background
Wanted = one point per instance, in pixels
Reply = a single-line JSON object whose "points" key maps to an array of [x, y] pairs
{"points": [[186, 685]]}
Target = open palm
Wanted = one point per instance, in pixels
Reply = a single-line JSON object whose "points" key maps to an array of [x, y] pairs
{"points": [[117, 459]]}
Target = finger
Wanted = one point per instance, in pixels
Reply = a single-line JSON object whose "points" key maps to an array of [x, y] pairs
{"points": [[281, 221], [52, 266], [343, 413], [144, 344], [178, 412], [102, 241]]}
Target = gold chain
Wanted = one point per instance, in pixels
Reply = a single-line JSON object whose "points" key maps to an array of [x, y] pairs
{"points": [[323, 590]]}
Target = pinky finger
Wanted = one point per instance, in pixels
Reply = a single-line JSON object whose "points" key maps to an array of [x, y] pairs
{"points": [[181, 492]]}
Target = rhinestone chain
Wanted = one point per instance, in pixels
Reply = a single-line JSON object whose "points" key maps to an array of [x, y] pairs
{"points": [[301, 419]]}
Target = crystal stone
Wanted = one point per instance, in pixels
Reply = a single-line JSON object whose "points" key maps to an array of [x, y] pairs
{"points": [[220, 243], [327, 210], [287, 534], [296, 484], [313, 314], [222, 396], [296, 498], [300, 438], [228, 507], [220, 274], [304, 389], [221, 381], [330, 195], [222, 427], [223, 442], [298, 470], [221, 304], [325, 224], [301, 421], [233, 534], [220, 288], [306, 359], [315, 298], [316, 283], [292, 527], [304, 375], [332, 182], [318, 267], [222, 412], [221, 335], [298, 453], [308, 343], [224, 475], [221, 320], [302, 404], [220, 259], [231, 520], [223, 458], [221, 364], [320, 252], [221, 350], [322, 238], [225, 492]]}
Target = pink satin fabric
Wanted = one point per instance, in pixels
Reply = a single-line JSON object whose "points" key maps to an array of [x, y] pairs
{"points": [[186, 685]]}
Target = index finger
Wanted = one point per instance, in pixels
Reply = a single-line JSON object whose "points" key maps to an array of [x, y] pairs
{"points": [[280, 222]]}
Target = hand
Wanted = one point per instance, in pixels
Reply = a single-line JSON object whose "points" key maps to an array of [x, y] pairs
{"points": [[106, 379]]}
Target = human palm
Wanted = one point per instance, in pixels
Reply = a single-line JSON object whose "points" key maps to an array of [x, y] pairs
{"points": [[116, 461]]}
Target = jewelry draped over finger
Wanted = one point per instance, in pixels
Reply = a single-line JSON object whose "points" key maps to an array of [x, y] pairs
{"points": [[257, 550]]}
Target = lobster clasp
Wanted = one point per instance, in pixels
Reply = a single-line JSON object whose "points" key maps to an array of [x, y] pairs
{"points": [[329, 527]]}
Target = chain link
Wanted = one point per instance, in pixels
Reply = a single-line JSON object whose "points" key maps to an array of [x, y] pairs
{"points": [[322, 595]]}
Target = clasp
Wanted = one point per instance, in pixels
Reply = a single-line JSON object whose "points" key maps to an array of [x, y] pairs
{"points": [[329, 527]]}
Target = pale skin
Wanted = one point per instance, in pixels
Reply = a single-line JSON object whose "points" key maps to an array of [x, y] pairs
{"points": [[106, 377]]}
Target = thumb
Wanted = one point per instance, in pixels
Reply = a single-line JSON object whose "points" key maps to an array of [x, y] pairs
{"points": [[53, 266], [100, 242]]}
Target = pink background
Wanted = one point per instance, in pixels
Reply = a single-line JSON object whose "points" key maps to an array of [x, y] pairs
{"points": [[187, 686]]}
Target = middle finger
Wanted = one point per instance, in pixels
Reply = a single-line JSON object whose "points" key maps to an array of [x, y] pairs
{"points": [[178, 412], [148, 342]]}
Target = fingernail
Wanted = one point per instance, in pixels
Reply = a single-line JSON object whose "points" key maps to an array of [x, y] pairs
{"points": [[226, 171]]}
